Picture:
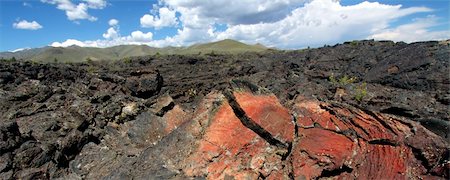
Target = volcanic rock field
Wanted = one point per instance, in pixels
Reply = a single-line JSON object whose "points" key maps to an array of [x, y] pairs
{"points": [[358, 110]]}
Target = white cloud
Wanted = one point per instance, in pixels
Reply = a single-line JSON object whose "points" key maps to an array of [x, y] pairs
{"points": [[321, 22], [234, 12], [78, 11], [113, 22], [27, 25], [96, 4], [26, 4], [412, 32], [112, 38], [316, 23], [111, 33], [279, 23], [68, 42], [166, 18], [138, 36], [20, 49]]}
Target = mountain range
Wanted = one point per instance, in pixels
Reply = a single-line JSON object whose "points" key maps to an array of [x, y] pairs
{"points": [[80, 54]]}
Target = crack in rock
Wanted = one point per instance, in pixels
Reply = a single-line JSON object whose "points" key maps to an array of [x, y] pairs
{"points": [[249, 123], [387, 142]]}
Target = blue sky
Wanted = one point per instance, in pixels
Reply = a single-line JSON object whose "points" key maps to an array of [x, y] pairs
{"points": [[283, 24]]}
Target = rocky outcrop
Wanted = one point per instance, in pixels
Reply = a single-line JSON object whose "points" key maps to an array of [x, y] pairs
{"points": [[337, 140], [244, 134], [273, 116]]}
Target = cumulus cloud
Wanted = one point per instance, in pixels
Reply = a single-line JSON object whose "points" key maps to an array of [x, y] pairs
{"points": [[315, 23], [279, 23], [412, 32], [78, 11], [139, 36], [96, 4], [321, 22], [166, 18], [111, 33], [136, 38], [113, 22], [112, 38], [68, 42], [33, 25], [234, 12]]}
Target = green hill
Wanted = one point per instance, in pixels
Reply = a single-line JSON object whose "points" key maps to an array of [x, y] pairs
{"points": [[80, 54], [224, 46]]}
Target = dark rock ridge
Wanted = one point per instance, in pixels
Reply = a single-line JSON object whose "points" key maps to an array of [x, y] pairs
{"points": [[383, 114]]}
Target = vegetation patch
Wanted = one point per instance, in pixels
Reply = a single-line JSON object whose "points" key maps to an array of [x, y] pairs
{"points": [[358, 90]]}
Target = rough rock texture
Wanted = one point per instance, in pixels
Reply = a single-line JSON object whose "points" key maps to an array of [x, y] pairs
{"points": [[273, 115]]}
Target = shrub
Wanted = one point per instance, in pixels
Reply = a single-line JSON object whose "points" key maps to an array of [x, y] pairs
{"points": [[191, 93], [127, 60], [88, 60], [91, 69], [212, 53], [361, 92], [343, 81]]}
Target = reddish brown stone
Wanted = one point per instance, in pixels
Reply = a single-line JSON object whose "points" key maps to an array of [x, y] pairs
{"points": [[267, 111], [175, 118], [332, 141], [351, 143], [229, 149]]}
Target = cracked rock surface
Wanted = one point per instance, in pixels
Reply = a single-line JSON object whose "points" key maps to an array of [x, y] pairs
{"points": [[274, 115]]}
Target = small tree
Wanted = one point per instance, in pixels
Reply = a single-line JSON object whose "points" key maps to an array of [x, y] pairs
{"points": [[13, 59], [55, 60]]}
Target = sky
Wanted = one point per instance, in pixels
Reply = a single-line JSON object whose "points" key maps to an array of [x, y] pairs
{"points": [[284, 24]]}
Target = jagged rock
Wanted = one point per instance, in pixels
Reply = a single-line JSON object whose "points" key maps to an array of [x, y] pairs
{"points": [[341, 141], [31, 173], [5, 162], [62, 121], [230, 148], [10, 136], [163, 104], [145, 85]]}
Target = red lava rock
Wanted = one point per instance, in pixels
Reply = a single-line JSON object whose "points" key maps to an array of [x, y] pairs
{"points": [[333, 141], [343, 142], [230, 149], [267, 111]]}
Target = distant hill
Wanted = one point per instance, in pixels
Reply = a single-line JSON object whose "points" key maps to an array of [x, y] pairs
{"points": [[224, 46], [80, 54], [23, 54]]}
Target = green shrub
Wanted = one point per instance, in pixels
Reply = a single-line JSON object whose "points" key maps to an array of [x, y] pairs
{"points": [[212, 53], [88, 60], [91, 69], [127, 60], [343, 81], [13, 59], [358, 91], [190, 93], [361, 92]]}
